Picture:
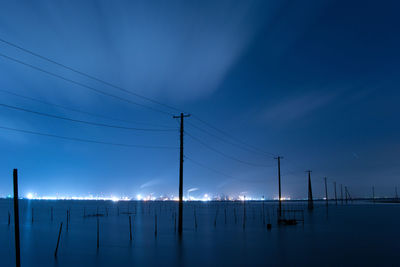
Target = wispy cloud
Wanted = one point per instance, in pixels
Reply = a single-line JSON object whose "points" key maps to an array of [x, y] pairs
{"points": [[297, 107]]}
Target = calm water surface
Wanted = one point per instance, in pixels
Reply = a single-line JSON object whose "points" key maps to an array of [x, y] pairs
{"points": [[356, 234]]}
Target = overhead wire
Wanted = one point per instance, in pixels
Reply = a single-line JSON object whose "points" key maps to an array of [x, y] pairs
{"points": [[224, 154], [78, 110], [83, 121], [84, 140]]}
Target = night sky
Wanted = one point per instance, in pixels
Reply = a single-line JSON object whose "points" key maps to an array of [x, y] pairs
{"points": [[314, 81]]}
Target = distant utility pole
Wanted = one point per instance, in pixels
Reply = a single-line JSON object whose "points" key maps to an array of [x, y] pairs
{"points": [[279, 183], [334, 184], [310, 198], [326, 192], [182, 116]]}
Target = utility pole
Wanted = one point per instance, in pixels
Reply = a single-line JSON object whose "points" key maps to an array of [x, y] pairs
{"points": [[345, 192], [182, 116], [279, 183], [16, 219], [334, 184], [310, 198], [326, 192]]}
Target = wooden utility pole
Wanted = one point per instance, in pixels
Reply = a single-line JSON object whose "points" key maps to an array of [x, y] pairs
{"points": [[310, 197], [182, 116], [334, 184], [279, 183], [16, 220], [326, 192]]}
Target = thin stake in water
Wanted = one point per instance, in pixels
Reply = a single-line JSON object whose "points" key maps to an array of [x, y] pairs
{"points": [[58, 240], [130, 229]]}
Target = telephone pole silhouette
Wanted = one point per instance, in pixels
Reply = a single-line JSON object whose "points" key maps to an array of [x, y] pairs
{"points": [[182, 116], [279, 182], [310, 198]]}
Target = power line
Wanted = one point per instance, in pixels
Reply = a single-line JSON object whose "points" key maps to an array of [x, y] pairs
{"points": [[83, 85], [224, 140], [82, 121], [208, 168], [87, 75], [232, 137], [116, 87], [77, 110], [223, 154], [84, 140]]}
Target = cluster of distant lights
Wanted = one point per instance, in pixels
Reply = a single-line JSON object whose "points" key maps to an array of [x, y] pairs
{"points": [[140, 197]]}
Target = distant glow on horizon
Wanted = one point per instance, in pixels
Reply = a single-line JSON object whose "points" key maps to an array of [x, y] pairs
{"points": [[150, 197]]}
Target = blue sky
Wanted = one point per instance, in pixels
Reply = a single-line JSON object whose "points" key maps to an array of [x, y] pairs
{"points": [[314, 81]]}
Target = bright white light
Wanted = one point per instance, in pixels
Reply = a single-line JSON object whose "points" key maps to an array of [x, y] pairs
{"points": [[29, 196], [115, 199], [139, 197]]}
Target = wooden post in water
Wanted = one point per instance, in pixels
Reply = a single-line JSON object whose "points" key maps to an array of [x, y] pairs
{"points": [[58, 240], [234, 214], [130, 228], [51, 214], [16, 219], [32, 215], [98, 233], [310, 196], [9, 218]]}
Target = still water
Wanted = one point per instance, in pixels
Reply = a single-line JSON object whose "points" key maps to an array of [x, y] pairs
{"points": [[214, 234]]}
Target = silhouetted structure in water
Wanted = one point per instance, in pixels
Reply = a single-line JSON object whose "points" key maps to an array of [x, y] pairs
{"points": [[310, 197], [16, 219], [279, 183], [182, 116]]}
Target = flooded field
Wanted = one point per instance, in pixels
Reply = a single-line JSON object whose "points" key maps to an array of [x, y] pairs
{"points": [[214, 234]]}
